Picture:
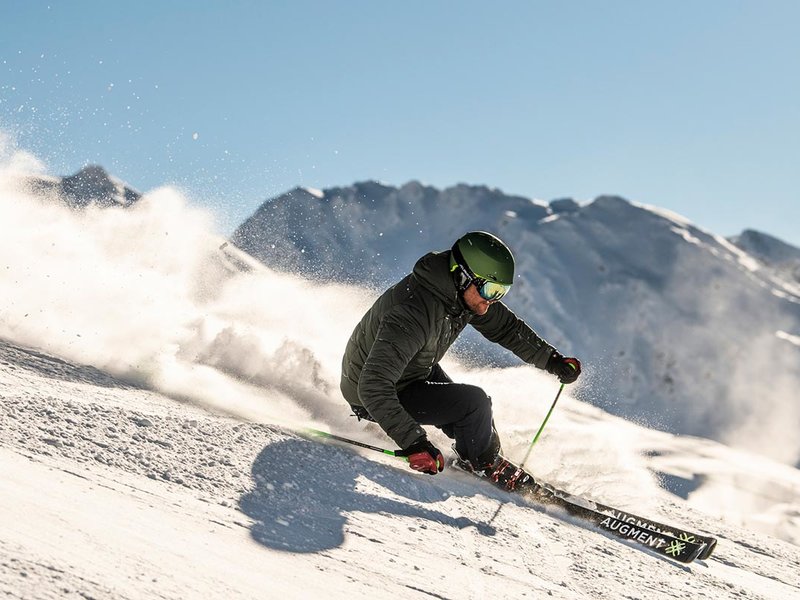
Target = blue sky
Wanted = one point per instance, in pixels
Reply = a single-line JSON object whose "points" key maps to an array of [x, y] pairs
{"points": [[692, 106]]}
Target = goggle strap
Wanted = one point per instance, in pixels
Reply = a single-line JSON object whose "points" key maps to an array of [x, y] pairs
{"points": [[465, 276], [461, 262]]}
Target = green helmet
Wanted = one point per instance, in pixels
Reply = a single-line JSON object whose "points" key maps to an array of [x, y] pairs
{"points": [[483, 256]]}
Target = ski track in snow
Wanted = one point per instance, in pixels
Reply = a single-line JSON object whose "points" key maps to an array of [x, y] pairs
{"points": [[112, 491]]}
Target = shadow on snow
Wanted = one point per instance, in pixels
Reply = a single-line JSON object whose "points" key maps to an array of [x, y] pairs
{"points": [[304, 490]]}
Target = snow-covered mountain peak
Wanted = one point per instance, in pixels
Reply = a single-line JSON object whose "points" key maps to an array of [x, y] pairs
{"points": [[564, 205], [610, 203], [768, 249], [365, 190], [414, 188], [778, 258], [313, 191], [90, 185]]}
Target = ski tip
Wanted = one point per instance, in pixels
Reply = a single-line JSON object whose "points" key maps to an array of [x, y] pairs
{"points": [[708, 549], [705, 550]]}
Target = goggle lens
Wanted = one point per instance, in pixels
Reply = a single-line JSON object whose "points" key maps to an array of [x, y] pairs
{"points": [[491, 291]]}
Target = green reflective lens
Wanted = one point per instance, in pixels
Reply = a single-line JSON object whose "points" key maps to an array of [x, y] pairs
{"points": [[492, 291]]}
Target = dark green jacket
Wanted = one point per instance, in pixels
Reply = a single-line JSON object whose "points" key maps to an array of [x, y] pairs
{"points": [[408, 330]]}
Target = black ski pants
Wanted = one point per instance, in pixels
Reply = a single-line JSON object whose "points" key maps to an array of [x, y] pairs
{"points": [[462, 411]]}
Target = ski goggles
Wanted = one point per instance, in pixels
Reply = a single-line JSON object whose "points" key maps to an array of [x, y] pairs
{"points": [[491, 291]]}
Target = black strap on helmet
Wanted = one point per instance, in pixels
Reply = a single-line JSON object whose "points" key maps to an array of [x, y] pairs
{"points": [[459, 258], [462, 274]]}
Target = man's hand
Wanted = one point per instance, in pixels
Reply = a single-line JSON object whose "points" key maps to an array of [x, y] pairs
{"points": [[566, 369], [423, 456]]}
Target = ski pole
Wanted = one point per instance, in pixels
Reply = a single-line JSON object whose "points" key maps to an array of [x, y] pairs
{"points": [[538, 433], [549, 412], [325, 434]]}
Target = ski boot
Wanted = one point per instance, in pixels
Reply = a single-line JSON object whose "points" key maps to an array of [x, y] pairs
{"points": [[496, 469]]}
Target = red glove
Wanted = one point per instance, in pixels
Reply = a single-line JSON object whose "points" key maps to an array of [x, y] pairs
{"points": [[423, 456]]}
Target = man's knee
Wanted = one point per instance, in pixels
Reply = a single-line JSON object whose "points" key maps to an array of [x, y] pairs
{"points": [[477, 399]]}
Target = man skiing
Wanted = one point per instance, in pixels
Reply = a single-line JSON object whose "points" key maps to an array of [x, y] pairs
{"points": [[390, 370]]}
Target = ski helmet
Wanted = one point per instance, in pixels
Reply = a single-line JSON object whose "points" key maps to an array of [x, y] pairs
{"points": [[482, 256]]}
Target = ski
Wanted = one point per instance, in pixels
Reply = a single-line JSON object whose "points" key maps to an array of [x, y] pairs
{"points": [[681, 534], [511, 478]]}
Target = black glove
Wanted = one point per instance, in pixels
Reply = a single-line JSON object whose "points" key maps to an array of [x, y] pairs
{"points": [[566, 369], [423, 456]]}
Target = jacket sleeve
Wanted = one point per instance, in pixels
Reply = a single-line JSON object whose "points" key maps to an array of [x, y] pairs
{"points": [[401, 335], [502, 326]]}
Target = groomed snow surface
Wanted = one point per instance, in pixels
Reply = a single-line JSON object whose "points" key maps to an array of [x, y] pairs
{"points": [[110, 491]]}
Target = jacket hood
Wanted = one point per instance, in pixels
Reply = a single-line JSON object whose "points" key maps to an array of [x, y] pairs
{"points": [[433, 272]]}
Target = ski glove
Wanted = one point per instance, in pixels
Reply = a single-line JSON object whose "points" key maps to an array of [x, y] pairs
{"points": [[566, 369], [423, 456]]}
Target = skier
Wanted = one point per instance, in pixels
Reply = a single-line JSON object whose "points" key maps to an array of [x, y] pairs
{"points": [[390, 370]]}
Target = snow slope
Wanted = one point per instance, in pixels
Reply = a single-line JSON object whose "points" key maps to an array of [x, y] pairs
{"points": [[109, 490], [150, 381]]}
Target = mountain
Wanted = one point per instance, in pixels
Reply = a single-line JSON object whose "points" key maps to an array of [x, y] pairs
{"points": [[677, 327], [371, 233], [775, 254], [766, 248], [92, 185]]}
